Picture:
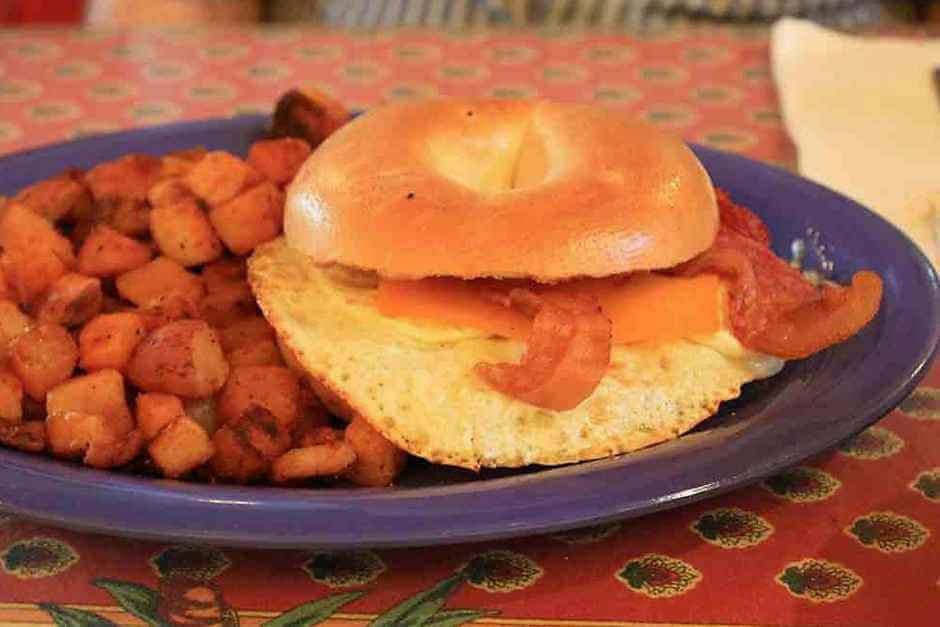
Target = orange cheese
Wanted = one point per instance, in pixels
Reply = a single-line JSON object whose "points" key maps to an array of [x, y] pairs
{"points": [[644, 307], [450, 301]]}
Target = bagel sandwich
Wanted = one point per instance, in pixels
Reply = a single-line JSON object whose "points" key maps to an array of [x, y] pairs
{"points": [[498, 284]]}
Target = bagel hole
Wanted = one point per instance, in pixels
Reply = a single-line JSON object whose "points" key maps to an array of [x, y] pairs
{"points": [[514, 157]]}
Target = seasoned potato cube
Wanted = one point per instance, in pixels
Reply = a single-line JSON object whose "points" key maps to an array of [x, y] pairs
{"points": [[245, 332], [13, 323], [279, 159], [182, 358], [107, 253], [181, 162], [182, 446], [260, 353], [219, 177], [183, 233], [228, 304], [272, 387], [308, 113], [127, 178], [222, 273], [203, 411], [131, 217], [320, 460], [21, 229], [168, 192], [74, 435], [26, 436], [252, 218], [156, 411], [109, 340], [71, 300], [378, 461], [245, 447], [35, 254], [43, 357], [11, 398], [58, 196], [100, 393], [168, 308], [157, 278]]}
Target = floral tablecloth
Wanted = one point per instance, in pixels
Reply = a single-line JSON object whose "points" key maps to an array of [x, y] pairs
{"points": [[847, 538]]}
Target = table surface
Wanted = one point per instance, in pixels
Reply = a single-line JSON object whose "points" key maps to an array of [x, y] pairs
{"points": [[848, 538]]}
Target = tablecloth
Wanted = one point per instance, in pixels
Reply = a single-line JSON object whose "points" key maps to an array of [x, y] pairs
{"points": [[847, 538]]}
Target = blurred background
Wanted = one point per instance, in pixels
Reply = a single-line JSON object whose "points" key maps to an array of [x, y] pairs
{"points": [[460, 14]]}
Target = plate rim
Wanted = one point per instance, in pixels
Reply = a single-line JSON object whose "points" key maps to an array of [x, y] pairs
{"points": [[56, 476]]}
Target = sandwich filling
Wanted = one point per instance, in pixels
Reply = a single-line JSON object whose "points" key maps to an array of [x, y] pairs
{"points": [[738, 284]]}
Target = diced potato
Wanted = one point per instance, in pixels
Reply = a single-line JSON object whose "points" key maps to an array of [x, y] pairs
{"points": [[11, 398], [109, 340], [156, 411], [22, 229], [168, 192], [222, 273], [179, 163], [100, 393], [272, 387], [259, 353], [107, 253], [234, 459], [378, 461], [43, 357], [182, 358], [244, 332], [261, 430], [74, 435], [183, 233], [114, 453], [71, 300], [35, 254], [181, 447], [320, 460], [219, 177], [6, 290], [13, 323], [309, 114], [57, 197], [131, 217], [168, 308], [203, 411], [228, 304], [245, 447], [310, 421], [26, 436], [252, 218], [279, 159], [127, 178], [157, 278]]}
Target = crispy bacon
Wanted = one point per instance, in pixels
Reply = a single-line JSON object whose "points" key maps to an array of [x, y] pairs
{"points": [[740, 220], [567, 353], [836, 316], [772, 308]]}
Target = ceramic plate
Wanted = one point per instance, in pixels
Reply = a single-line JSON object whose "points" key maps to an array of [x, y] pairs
{"points": [[811, 406]]}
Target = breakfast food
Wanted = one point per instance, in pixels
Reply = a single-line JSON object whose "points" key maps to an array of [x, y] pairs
{"points": [[129, 337], [501, 284], [477, 283]]}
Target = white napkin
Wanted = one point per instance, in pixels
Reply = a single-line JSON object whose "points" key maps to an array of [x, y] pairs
{"points": [[865, 118]]}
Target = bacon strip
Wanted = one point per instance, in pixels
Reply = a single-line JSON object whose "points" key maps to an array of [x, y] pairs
{"points": [[837, 315], [567, 353], [772, 308]]}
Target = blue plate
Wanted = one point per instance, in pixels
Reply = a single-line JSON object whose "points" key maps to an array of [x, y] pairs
{"points": [[809, 407]]}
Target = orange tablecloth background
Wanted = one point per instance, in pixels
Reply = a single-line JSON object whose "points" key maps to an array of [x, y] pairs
{"points": [[849, 538]]}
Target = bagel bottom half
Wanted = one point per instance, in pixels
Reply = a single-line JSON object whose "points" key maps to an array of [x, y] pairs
{"points": [[414, 382]]}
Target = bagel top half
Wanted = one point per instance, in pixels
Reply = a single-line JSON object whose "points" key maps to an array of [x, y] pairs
{"points": [[484, 188]]}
